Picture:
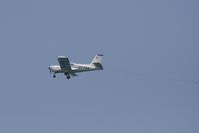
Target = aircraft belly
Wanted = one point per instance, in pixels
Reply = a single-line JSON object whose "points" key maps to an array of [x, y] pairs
{"points": [[80, 70]]}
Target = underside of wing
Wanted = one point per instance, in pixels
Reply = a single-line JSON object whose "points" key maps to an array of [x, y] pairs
{"points": [[64, 63], [74, 74]]}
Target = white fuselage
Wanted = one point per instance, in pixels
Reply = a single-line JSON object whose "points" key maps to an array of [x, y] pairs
{"points": [[76, 68], [70, 69]]}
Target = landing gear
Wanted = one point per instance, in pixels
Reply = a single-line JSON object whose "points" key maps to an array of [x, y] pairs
{"points": [[68, 77]]}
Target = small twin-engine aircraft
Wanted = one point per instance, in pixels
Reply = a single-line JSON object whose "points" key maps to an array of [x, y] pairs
{"points": [[70, 69]]}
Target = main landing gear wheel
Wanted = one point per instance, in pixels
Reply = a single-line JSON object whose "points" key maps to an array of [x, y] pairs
{"points": [[54, 76], [66, 73], [68, 77]]}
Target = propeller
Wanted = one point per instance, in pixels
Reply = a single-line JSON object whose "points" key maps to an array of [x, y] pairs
{"points": [[50, 70]]}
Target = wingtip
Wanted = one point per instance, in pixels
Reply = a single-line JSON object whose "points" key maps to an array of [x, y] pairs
{"points": [[100, 55], [61, 56]]}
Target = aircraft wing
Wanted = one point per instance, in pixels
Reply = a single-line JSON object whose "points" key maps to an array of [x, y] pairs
{"points": [[64, 63], [74, 74]]}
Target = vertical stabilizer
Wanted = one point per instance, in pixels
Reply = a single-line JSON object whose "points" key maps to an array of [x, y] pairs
{"points": [[97, 59]]}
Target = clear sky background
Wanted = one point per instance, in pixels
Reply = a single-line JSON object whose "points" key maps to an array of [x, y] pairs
{"points": [[150, 82]]}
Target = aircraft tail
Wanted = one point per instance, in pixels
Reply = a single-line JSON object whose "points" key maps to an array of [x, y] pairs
{"points": [[97, 59]]}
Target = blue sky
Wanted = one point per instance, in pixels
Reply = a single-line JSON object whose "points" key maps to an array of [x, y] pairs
{"points": [[150, 82]]}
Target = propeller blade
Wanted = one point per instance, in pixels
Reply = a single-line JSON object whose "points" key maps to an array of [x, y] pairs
{"points": [[50, 70]]}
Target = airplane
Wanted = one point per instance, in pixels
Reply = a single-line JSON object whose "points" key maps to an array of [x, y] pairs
{"points": [[70, 69]]}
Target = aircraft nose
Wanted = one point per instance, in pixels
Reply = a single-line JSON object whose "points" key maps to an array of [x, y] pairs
{"points": [[49, 68]]}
